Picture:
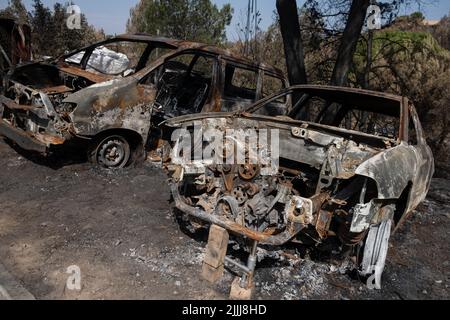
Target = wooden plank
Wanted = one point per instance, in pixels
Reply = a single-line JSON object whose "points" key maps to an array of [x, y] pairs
{"points": [[212, 274], [216, 250]]}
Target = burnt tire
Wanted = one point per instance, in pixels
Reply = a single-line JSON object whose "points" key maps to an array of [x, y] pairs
{"points": [[111, 152]]}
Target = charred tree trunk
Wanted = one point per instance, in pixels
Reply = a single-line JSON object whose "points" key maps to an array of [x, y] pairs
{"points": [[352, 32], [293, 45], [369, 60], [350, 38]]}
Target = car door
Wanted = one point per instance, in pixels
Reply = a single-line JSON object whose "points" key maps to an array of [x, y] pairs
{"points": [[240, 87], [272, 84], [184, 83]]}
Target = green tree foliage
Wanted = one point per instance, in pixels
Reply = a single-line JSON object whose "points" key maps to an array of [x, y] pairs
{"points": [[410, 58], [51, 37], [15, 10], [413, 64], [42, 27], [197, 20]]}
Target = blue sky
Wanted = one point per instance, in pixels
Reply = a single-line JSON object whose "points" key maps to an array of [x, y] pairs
{"points": [[112, 15]]}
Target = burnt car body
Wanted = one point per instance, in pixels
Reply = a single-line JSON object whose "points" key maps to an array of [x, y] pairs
{"points": [[115, 93], [352, 163]]}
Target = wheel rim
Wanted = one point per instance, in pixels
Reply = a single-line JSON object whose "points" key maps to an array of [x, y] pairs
{"points": [[113, 152]]}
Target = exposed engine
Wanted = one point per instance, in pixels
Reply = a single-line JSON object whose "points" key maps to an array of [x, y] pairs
{"points": [[39, 107], [241, 194], [275, 204]]}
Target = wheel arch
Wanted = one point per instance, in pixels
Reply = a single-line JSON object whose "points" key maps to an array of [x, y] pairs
{"points": [[402, 205], [131, 135], [392, 170]]}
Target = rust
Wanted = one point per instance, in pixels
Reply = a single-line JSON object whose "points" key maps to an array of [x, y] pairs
{"points": [[340, 178], [49, 139], [323, 223], [96, 78], [57, 89], [15, 106]]}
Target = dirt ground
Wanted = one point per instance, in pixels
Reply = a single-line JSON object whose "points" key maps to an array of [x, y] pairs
{"points": [[119, 229]]}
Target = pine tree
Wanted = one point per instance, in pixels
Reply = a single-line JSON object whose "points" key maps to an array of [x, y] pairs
{"points": [[197, 20], [15, 10], [42, 28], [51, 36]]}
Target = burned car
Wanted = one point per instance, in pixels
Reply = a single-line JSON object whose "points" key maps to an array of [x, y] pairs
{"points": [[113, 94], [350, 164]]}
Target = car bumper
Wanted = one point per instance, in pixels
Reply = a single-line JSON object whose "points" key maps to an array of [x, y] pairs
{"points": [[21, 138], [26, 140]]}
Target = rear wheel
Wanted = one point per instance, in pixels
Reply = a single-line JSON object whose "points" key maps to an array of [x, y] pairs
{"points": [[113, 152]]}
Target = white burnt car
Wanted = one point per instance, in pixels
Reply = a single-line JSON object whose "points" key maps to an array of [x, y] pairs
{"points": [[353, 164]]}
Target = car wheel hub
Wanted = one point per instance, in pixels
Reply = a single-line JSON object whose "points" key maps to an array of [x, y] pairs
{"points": [[113, 154]]}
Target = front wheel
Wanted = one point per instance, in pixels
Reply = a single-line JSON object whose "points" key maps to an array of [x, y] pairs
{"points": [[112, 152]]}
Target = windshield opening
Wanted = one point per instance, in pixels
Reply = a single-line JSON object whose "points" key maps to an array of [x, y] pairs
{"points": [[120, 58], [356, 112]]}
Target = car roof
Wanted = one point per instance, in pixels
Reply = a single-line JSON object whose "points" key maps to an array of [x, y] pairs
{"points": [[372, 100], [356, 92], [185, 45]]}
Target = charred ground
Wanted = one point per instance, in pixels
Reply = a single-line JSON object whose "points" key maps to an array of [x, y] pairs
{"points": [[118, 227]]}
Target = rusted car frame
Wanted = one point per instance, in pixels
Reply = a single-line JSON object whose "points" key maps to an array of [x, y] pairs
{"points": [[117, 107], [349, 177]]}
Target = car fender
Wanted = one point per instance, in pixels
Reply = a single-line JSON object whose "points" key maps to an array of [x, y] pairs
{"points": [[392, 170]]}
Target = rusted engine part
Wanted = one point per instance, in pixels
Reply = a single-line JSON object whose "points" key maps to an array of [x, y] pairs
{"points": [[35, 119], [235, 228], [39, 111], [326, 214], [266, 204], [263, 209]]}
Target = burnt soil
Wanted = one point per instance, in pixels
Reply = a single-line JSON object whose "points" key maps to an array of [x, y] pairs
{"points": [[118, 227]]}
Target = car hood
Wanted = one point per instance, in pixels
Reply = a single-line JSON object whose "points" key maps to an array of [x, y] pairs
{"points": [[324, 148]]}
